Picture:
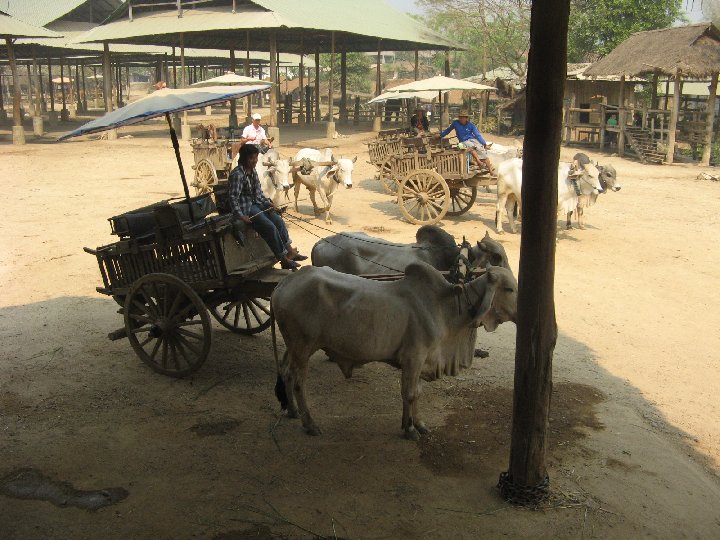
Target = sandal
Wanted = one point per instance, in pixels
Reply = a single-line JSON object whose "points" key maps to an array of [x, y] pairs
{"points": [[298, 257], [289, 265]]}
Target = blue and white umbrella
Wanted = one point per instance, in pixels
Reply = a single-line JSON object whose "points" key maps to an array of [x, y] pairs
{"points": [[165, 102]]}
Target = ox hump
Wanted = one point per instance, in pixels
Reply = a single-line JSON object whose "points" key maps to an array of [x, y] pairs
{"points": [[422, 277], [434, 235]]}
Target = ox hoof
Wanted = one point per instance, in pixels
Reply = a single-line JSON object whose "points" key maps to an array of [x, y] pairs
{"points": [[499, 231], [313, 430], [291, 413], [411, 434], [581, 227], [421, 428]]}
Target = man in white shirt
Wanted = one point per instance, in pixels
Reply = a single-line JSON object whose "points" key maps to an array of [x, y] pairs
{"points": [[255, 134]]}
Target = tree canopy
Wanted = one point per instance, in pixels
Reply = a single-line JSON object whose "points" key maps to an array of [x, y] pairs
{"points": [[497, 32]]}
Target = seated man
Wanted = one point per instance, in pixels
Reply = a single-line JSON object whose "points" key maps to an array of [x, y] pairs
{"points": [[611, 136], [468, 134], [419, 122], [249, 204], [255, 134]]}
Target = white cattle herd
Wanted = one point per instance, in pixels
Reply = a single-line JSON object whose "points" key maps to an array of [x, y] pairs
{"points": [[423, 321]]}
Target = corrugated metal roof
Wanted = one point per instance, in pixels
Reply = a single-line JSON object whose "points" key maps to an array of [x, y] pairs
{"points": [[298, 26], [43, 12], [12, 27]]}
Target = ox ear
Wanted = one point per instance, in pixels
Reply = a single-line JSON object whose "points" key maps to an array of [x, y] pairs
{"points": [[481, 246], [354, 159]]}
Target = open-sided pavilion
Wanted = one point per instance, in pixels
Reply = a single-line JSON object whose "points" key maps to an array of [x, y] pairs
{"points": [[308, 27]]}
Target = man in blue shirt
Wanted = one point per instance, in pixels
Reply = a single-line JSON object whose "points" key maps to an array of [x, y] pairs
{"points": [[468, 134]]}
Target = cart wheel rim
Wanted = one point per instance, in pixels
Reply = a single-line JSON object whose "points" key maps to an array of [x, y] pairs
{"points": [[167, 324], [387, 177], [423, 197], [461, 200], [205, 177], [245, 315]]}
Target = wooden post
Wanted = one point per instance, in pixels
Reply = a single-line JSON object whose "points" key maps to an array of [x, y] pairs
{"points": [[232, 118], [377, 121], [51, 87], [527, 481], [84, 87], [602, 126], [653, 91], [710, 119], [18, 131], [37, 88], [446, 98], [78, 101], [343, 86], [43, 103], [674, 113], [174, 66], [331, 80], [273, 79], [356, 111], [246, 66], [63, 111], [301, 84], [317, 85], [621, 118]]}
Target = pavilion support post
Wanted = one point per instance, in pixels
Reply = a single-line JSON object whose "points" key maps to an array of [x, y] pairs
{"points": [[527, 481], [76, 102], [273, 124], [377, 121], [185, 128], [127, 82], [84, 88], [52, 115], [232, 118], [622, 118], [64, 114], [30, 89], [174, 68], [18, 132], [248, 106], [343, 87], [38, 128], [107, 87], [301, 84], [710, 119], [3, 113], [330, 133], [41, 87], [445, 115], [96, 96], [317, 86], [674, 113], [416, 75]]}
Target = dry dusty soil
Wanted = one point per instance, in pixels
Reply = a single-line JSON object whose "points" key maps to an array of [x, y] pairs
{"points": [[634, 446]]}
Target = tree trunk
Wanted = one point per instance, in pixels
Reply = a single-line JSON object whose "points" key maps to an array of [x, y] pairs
{"points": [[526, 481], [674, 113]]}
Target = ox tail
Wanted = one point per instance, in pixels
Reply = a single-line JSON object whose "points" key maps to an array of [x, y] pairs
{"points": [[280, 392]]}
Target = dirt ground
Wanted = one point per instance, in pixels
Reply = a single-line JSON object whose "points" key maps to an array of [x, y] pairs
{"points": [[635, 427]]}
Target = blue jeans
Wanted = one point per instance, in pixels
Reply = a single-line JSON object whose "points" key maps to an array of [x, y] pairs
{"points": [[271, 227]]}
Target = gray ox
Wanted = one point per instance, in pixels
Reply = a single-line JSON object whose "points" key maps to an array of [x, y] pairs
{"points": [[357, 253], [420, 324], [608, 181]]}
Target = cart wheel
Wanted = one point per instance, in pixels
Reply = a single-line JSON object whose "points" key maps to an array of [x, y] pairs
{"points": [[461, 199], [423, 197], [387, 180], [246, 315], [167, 324], [205, 177]]}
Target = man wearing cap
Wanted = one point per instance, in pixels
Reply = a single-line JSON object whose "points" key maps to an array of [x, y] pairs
{"points": [[255, 134], [468, 134], [419, 121]]}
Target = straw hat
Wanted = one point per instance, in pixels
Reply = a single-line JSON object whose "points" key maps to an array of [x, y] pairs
{"points": [[463, 112]]}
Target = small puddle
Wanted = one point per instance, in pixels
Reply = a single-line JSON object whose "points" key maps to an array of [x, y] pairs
{"points": [[31, 484]]}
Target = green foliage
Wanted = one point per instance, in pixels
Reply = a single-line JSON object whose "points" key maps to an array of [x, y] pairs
{"points": [[359, 78], [598, 26]]}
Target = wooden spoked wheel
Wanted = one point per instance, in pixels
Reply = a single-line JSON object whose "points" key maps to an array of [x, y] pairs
{"points": [[387, 179], [423, 197], [205, 177], [461, 199], [167, 324], [246, 315]]}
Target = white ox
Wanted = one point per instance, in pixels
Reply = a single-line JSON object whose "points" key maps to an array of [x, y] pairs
{"points": [[274, 174], [322, 178], [509, 190], [498, 154], [421, 324]]}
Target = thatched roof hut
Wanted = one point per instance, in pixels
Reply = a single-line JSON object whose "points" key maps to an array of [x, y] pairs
{"points": [[693, 49]]}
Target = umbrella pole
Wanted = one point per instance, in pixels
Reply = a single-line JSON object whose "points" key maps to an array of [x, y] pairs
{"points": [[176, 146]]}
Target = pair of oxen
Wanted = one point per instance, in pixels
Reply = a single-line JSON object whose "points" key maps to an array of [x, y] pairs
{"points": [[422, 324]]}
